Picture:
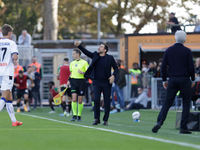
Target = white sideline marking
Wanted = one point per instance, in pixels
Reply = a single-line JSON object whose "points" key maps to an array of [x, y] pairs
{"points": [[119, 132]]}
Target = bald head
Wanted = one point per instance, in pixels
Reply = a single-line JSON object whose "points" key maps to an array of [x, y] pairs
{"points": [[180, 36]]}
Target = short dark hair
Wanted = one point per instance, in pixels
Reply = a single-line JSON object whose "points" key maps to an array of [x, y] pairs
{"points": [[135, 63], [77, 51], [66, 59], [172, 13], [5, 29], [118, 63], [21, 71], [51, 82], [141, 87], [29, 66], [105, 47]]}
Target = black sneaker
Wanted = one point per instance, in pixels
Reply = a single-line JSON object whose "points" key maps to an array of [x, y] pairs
{"points": [[79, 119], [156, 127], [105, 123], [185, 131], [74, 118], [96, 122]]}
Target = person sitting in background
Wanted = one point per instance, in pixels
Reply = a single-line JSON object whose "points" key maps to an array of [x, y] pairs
{"points": [[173, 22], [53, 91], [24, 38], [140, 102]]}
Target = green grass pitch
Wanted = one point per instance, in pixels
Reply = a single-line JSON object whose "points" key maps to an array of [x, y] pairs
{"points": [[53, 132]]}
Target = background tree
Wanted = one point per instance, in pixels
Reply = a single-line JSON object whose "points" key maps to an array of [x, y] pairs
{"points": [[20, 14], [50, 19], [80, 16]]}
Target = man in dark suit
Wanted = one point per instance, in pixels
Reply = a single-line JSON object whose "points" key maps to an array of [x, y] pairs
{"points": [[100, 72], [178, 64]]}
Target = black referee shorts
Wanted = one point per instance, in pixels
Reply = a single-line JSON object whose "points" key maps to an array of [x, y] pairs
{"points": [[78, 86], [67, 92]]}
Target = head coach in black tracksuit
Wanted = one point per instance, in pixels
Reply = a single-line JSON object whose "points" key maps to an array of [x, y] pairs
{"points": [[100, 72], [178, 64]]}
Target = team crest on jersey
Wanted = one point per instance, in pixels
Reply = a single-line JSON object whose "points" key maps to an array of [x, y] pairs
{"points": [[76, 65]]}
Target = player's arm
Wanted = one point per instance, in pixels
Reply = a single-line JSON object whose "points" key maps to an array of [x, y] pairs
{"points": [[15, 83], [32, 83], [58, 74]]}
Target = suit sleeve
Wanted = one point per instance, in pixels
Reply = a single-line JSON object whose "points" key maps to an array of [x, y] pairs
{"points": [[164, 67], [114, 65], [86, 52]]}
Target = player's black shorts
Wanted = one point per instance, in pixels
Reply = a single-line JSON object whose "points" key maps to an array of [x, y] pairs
{"points": [[67, 92], [21, 92], [78, 86]]}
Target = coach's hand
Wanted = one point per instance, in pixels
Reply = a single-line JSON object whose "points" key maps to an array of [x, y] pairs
{"points": [[193, 84], [77, 43], [165, 84], [111, 79]]}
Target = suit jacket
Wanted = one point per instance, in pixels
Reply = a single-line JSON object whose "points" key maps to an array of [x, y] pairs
{"points": [[178, 62], [109, 63]]}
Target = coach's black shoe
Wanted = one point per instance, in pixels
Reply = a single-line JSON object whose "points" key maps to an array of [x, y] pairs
{"points": [[156, 127], [185, 131], [74, 118], [96, 122], [79, 119], [105, 123]]}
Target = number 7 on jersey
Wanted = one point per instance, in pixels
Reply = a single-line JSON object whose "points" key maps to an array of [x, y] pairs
{"points": [[3, 53]]}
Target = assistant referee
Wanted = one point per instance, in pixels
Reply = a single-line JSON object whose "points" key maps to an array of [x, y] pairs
{"points": [[77, 80]]}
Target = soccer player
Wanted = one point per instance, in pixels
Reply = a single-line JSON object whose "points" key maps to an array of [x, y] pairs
{"points": [[63, 76], [20, 82], [53, 91], [8, 55], [77, 67]]}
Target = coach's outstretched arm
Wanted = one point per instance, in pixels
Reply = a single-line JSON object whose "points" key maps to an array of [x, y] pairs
{"points": [[85, 51]]}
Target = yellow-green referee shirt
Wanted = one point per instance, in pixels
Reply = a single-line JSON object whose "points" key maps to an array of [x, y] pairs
{"points": [[75, 66]]}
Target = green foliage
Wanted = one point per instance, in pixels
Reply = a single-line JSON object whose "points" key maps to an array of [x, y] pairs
{"points": [[80, 16], [20, 14]]}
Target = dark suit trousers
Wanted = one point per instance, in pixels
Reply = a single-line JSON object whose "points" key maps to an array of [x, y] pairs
{"points": [[105, 87], [174, 85]]}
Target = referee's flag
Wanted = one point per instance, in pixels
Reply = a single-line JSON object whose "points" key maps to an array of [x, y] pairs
{"points": [[58, 98]]}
